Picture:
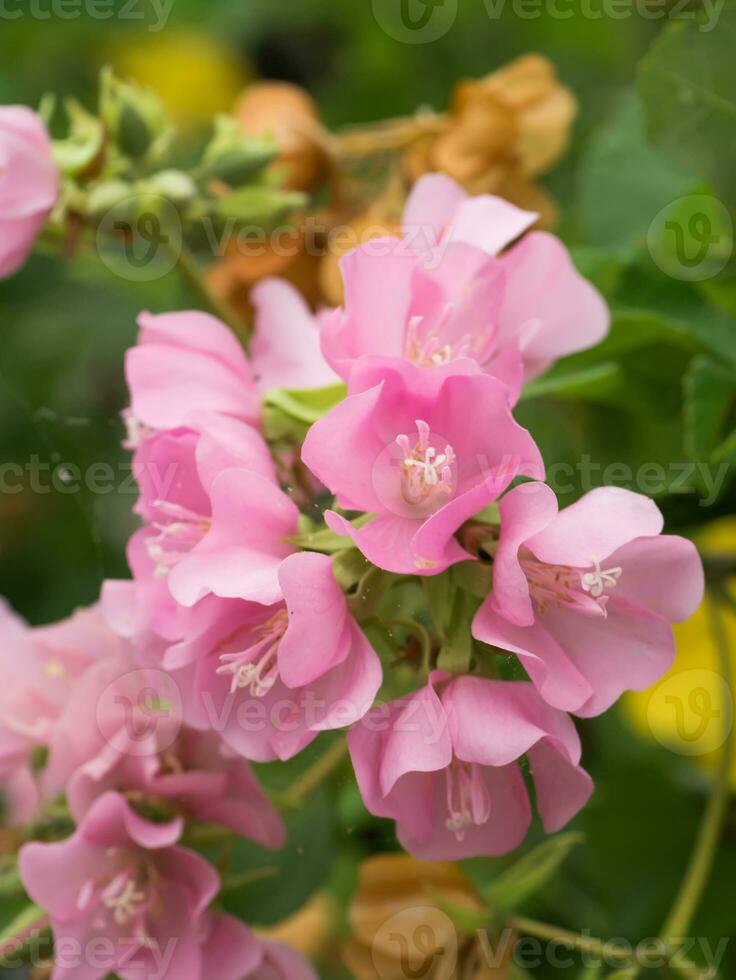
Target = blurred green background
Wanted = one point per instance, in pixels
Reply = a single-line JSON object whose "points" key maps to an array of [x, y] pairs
{"points": [[661, 390]]}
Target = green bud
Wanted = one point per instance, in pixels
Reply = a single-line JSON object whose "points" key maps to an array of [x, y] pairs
{"points": [[106, 195], [135, 117], [232, 156], [83, 144], [261, 206], [176, 186]]}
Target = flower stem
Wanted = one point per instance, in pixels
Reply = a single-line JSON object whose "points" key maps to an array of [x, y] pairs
{"points": [[572, 940], [706, 844], [315, 775]]}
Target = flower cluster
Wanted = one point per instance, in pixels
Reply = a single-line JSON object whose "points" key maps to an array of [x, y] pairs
{"points": [[249, 627]]}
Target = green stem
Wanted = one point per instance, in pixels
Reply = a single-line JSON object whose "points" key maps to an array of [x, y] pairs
{"points": [[571, 940], [709, 833], [315, 775], [192, 274]]}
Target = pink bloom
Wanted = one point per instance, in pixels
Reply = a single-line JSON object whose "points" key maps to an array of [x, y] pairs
{"points": [[423, 451], [270, 678], [186, 365], [443, 293], [285, 351], [29, 184], [40, 670], [120, 881], [443, 763], [122, 730], [216, 521], [585, 597], [279, 962]]}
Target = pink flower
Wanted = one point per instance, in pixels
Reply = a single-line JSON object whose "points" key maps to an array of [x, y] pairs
{"points": [[443, 293], [40, 670], [285, 351], [585, 597], [270, 678], [279, 962], [443, 763], [122, 898], [29, 184], [186, 365], [216, 520], [423, 451], [122, 730]]}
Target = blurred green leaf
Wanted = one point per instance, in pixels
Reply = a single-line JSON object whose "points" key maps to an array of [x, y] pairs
{"points": [[260, 206], [688, 85], [300, 867], [531, 873], [625, 182], [710, 408]]}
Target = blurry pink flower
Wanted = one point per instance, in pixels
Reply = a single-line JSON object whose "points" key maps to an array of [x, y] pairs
{"points": [[585, 596], [279, 962], [285, 351], [216, 520], [423, 451], [186, 365], [29, 184], [443, 763], [122, 730], [40, 669], [121, 881], [270, 678], [443, 293]]}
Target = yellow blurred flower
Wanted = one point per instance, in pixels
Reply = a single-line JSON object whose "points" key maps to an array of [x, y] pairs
{"points": [[691, 710], [194, 74]]}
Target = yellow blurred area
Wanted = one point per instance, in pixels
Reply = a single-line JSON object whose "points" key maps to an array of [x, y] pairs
{"points": [[195, 74], [691, 710]]}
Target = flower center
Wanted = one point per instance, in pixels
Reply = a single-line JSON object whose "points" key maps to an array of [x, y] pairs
{"points": [[125, 898], [178, 532], [555, 586], [467, 799], [430, 349], [426, 474], [256, 667]]}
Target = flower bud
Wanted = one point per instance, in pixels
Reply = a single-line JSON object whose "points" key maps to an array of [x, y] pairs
{"points": [[288, 116], [135, 117]]}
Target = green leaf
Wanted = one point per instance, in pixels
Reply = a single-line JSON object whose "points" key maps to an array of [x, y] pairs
{"points": [[439, 592], [298, 869], [601, 382], [308, 405], [14, 937], [467, 919], [688, 85], [625, 182], [475, 577], [530, 873], [710, 409]]}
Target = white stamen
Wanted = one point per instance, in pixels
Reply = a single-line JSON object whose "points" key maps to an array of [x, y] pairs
{"points": [[597, 581]]}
